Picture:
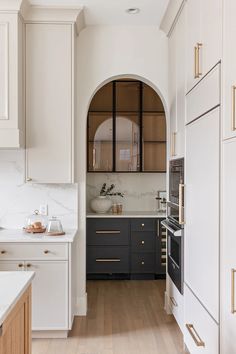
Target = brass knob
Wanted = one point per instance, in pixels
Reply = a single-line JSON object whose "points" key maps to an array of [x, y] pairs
{"points": [[20, 265], [3, 252], [46, 251], [142, 263], [142, 225], [142, 242], [28, 265], [28, 179]]}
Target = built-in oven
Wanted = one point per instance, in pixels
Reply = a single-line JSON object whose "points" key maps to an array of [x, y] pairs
{"points": [[176, 180]]}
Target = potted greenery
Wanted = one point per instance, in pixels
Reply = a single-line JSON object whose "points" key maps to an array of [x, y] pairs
{"points": [[102, 203]]}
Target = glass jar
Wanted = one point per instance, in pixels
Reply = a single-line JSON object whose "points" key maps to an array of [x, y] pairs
{"points": [[54, 227], [36, 222]]}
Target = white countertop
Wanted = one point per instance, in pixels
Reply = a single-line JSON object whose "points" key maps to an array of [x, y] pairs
{"points": [[17, 235], [12, 287], [129, 214]]}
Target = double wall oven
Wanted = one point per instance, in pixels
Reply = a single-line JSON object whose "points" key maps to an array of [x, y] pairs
{"points": [[175, 222]]}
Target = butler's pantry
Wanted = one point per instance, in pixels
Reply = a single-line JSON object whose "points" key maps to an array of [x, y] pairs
{"points": [[117, 176]]}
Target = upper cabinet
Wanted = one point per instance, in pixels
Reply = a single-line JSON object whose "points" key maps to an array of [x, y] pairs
{"points": [[177, 87], [11, 77], [229, 71], [50, 76], [203, 38], [126, 129]]}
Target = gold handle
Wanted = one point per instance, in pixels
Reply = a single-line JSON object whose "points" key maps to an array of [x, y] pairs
{"points": [[142, 225], [94, 157], [20, 265], [142, 263], [28, 179], [196, 62], [181, 204], [233, 271], [101, 232], [108, 260], [195, 335], [46, 252], [142, 242], [233, 108], [173, 143], [172, 299], [3, 252], [28, 265]]}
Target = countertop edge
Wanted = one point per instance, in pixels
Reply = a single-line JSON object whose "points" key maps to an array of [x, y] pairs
{"points": [[19, 236], [17, 297]]}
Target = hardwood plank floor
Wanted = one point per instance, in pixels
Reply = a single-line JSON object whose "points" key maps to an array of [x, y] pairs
{"points": [[124, 317]]}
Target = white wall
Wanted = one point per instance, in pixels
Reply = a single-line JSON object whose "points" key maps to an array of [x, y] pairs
{"points": [[18, 199], [105, 53], [139, 189]]}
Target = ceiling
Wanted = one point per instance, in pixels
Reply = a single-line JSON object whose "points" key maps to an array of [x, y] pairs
{"points": [[112, 12]]}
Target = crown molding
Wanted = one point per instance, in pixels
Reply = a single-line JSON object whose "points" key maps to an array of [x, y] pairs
{"points": [[14, 6], [171, 15], [55, 14]]}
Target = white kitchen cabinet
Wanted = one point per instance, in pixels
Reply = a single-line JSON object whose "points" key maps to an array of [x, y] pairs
{"points": [[176, 303], [204, 38], [53, 294], [11, 80], [172, 93], [228, 246], [202, 210], [201, 332], [229, 70], [49, 102]]}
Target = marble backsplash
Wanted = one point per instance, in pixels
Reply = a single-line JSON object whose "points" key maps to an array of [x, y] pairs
{"points": [[19, 199], [139, 190]]}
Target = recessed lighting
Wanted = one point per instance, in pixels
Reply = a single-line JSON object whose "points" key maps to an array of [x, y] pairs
{"points": [[133, 11]]}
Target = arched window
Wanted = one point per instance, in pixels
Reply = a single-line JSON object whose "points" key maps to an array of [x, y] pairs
{"points": [[126, 129]]}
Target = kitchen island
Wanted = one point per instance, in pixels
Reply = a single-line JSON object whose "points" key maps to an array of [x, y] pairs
{"points": [[15, 312]]}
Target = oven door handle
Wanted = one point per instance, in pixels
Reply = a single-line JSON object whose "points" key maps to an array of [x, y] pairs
{"points": [[177, 233]]}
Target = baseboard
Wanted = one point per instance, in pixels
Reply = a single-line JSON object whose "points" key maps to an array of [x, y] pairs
{"points": [[49, 334], [81, 305], [166, 305]]}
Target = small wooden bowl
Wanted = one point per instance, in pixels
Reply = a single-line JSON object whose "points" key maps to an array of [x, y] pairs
{"points": [[31, 230], [55, 233]]}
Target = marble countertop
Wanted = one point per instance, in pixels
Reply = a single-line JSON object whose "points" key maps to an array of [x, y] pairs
{"points": [[18, 235], [129, 214], [12, 287]]}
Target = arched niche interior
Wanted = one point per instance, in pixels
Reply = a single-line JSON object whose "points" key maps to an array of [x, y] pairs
{"points": [[126, 129]]}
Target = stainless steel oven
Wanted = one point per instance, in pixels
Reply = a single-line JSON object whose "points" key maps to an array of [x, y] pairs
{"points": [[176, 180]]}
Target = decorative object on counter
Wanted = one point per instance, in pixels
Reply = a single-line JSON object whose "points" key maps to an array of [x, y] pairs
{"points": [[54, 227], [114, 208], [102, 204], [119, 208], [36, 223], [161, 201]]}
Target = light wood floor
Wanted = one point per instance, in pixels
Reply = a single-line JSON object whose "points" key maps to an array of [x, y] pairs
{"points": [[124, 317]]}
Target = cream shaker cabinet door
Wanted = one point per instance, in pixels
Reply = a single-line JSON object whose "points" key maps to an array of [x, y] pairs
{"points": [[49, 103], [229, 70], [202, 210], [172, 92], [49, 295], [193, 35], [228, 247]]}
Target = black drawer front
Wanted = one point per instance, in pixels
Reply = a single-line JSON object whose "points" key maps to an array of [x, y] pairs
{"points": [[108, 259], [143, 263], [108, 231], [144, 224], [143, 241]]}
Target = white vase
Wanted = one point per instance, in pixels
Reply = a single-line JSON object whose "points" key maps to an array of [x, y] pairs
{"points": [[101, 204]]}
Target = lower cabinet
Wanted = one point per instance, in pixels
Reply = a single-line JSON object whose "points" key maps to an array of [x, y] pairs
{"points": [[176, 303], [201, 332], [51, 286], [121, 247]]}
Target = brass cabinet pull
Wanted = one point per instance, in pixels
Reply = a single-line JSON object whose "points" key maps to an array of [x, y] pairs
{"points": [[28, 179], [181, 204], [173, 144], [20, 265], [104, 232], [28, 265], [172, 299], [46, 251], [195, 335], [94, 157], [233, 108], [3, 252], [107, 260], [142, 225], [233, 271], [142, 242], [142, 263], [197, 71]]}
